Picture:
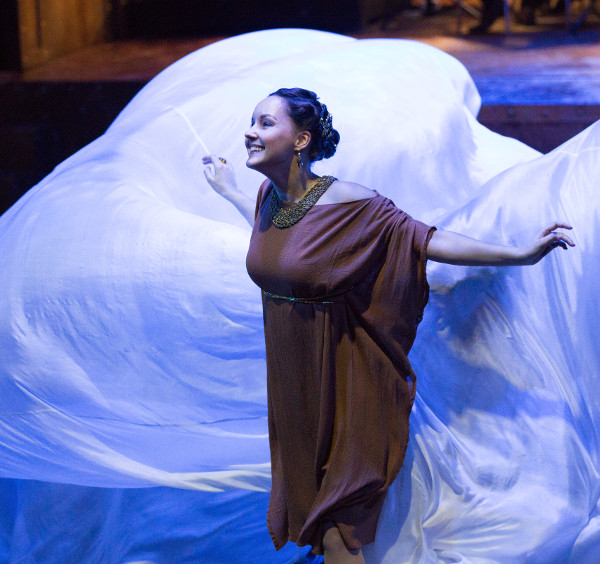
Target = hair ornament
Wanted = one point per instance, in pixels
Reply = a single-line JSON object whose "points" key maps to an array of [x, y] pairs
{"points": [[326, 124]]}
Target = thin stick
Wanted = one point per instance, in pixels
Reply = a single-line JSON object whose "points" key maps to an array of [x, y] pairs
{"points": [[198, 138]]}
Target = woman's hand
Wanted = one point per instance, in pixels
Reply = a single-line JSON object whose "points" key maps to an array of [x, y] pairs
{"points": [[219, 174], [453, 248], [547, 240]]}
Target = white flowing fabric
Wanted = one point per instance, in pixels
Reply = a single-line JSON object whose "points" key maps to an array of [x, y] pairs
{"points": [[131, 336]]}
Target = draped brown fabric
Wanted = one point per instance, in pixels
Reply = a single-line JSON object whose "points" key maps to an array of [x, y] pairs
{"points": [[340, 387]]}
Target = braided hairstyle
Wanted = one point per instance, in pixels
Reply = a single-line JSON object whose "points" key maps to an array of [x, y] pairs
{"points": [[311, 115]]}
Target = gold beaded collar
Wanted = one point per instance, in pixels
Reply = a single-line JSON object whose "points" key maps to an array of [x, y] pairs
{"points": [[283, 217]]}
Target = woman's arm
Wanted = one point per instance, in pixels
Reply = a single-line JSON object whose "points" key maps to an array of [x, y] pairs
{"points": [[452, 248], [222, 179]]}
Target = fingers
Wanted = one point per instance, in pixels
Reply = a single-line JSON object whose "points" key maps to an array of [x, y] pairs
{"points": [[559, 225], [562, 240], [551, 242], [214, 165], [551, 228], [214, 160], [209, 174], [557, 238], [219, 174]]}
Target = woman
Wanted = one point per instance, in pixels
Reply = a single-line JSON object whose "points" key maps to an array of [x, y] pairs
{"points": [[343, 277]]}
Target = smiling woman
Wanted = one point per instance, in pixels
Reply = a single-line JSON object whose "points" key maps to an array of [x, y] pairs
{"points": [[343, 280]]}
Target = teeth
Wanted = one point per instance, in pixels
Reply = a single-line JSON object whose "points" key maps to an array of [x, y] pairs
{"points": [[255, 149]]}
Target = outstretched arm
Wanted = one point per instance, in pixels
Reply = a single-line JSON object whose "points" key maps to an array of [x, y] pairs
{"points": [[222, 179], [453, 248]]}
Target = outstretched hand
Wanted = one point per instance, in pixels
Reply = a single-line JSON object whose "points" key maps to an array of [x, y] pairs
{"points": [[219, 174], [546, 241], [453, 248]]}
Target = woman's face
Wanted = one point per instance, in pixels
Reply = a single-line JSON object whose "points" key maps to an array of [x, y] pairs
{"points": [[272, 137]]}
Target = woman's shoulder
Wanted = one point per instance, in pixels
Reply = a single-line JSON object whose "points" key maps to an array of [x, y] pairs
{"points": [[341, 192]]}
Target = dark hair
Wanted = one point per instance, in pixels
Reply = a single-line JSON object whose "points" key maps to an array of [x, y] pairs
{"points": [[311, 115]]}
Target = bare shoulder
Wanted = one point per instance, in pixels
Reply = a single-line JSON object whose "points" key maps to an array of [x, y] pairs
{"points": [[341, 192]]}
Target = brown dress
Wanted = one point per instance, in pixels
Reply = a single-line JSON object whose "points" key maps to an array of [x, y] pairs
{"points": [[340, 387]]}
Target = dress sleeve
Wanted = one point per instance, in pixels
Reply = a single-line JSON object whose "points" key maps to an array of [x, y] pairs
{"points": [[394, 297], [421, 240], [404, 276]]}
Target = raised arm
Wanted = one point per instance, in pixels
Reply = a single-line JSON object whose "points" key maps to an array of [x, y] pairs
{"points": [[453, 248], [222, 179]]}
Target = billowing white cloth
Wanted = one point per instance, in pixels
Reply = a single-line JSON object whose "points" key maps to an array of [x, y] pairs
{"points": [[131, 336]]}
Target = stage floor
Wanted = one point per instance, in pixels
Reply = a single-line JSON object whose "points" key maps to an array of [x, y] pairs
{"points": [[541, 64]]}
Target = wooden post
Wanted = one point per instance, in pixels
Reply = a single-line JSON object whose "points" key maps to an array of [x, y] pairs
{"points": [[37, 31]]}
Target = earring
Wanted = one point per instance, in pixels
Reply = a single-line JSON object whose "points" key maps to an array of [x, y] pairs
{"points": [[300, 163]]}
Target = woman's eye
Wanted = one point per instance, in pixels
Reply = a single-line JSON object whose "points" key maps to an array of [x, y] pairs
{"points": [[267, 123]]}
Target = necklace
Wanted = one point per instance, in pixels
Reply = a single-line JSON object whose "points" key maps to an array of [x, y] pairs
{"points": [[288, 216]]}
